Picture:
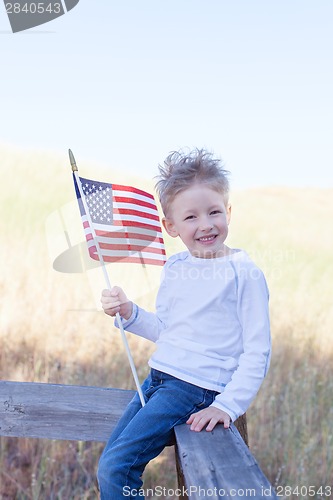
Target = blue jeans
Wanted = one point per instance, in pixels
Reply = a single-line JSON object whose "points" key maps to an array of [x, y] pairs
{"points": [[143, 432]]}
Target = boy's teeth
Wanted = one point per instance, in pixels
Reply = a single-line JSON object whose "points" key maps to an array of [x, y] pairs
{"points": [[206, 238]]}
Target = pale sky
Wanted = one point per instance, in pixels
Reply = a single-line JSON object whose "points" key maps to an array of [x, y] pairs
{"points": [[125, 82]]}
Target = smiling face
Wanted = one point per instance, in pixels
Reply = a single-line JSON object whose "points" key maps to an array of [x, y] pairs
{"points": [[199, 216]]}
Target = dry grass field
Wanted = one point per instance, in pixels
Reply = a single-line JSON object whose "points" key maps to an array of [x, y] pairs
{"points": [[51, 330]]}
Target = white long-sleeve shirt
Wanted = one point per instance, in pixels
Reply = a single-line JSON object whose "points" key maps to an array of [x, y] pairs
{"points": [[211, 326]]}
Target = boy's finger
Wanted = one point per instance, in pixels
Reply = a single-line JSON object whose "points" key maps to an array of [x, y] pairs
{"points": [[198, 423], [227, 423], [211, 424], [195, 417], [111, 311], [107, 304], [109, 301], [190, 419], [201, 424]]}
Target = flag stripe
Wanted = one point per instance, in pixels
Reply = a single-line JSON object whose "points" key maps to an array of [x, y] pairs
{"points": [[136, 260], [134, 191], [149, 233], [127, 253], [135, 222], [135, 201], [103, 235], [127, 222], [137, 213], [141, 258], [113, 247], [134, 196], [133, 245], [134, 206], [130, 241]]}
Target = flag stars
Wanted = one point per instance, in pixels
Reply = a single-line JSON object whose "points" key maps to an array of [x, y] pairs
{"points": [[99, 201]]}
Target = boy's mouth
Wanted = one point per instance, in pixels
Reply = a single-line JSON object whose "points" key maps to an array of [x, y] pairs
{"points": [[207, 239]]}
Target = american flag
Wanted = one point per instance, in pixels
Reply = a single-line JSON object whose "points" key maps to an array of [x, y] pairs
{"points": [[125, 221]]}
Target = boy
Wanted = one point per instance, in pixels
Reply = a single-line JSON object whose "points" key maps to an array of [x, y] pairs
{"points": [[211, 326]]}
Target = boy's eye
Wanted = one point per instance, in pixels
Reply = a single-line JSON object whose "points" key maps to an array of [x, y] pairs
{"points": [[189, 217], [213, 212]]}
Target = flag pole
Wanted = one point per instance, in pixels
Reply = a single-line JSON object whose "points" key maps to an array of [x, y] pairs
{"points": [[106, 276]]}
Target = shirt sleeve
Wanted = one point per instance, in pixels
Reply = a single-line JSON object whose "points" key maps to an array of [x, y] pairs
{"points": [[254, 361]]}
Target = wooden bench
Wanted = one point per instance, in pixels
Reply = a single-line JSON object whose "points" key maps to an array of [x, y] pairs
{"points": [[217, 464]]}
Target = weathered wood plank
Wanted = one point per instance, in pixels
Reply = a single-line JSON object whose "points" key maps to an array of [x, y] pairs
{"points": [[220, 465], [54, 411], [214, 461]]}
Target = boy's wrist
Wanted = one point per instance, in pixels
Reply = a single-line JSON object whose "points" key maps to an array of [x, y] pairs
{"points": [[127, 310], [127, 322]]}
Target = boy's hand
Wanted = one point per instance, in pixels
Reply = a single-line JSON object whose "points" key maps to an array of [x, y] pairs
{"points": [[115, 301], [210, 416]]}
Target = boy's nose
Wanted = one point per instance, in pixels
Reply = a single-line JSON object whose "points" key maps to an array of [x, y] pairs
{"points": [[205, 224]]}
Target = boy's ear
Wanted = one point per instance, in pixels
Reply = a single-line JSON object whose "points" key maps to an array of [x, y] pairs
{"points": [[228, 213], [170, 227]]}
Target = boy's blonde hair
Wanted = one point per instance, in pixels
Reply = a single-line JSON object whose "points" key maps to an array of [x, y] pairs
{"points": [[180, 170]]}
